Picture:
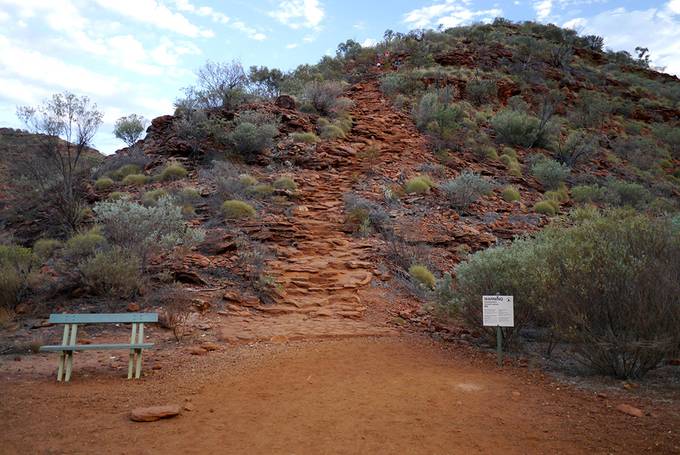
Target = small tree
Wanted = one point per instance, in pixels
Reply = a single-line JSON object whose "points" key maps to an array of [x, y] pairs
{"points": [[129, 129], [55, 171], [220, 85]]}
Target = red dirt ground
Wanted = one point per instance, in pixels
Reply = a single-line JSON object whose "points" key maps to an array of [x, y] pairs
{"points": [[399, 394]]}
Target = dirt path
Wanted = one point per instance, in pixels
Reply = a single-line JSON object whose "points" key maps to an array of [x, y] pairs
{"points": [[323, 271], [361, 395]]}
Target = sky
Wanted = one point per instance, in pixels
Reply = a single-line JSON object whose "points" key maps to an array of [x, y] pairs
{"points": [[135, 56]]}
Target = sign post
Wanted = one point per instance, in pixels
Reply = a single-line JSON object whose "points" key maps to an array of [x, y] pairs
{"points": [[498, 311]]}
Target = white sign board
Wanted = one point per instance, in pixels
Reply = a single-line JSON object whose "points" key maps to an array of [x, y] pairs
{"points": [[497, 310]]}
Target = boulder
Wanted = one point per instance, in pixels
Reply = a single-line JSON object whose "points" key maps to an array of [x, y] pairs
{"points": [[630, 410], [153, 413]]}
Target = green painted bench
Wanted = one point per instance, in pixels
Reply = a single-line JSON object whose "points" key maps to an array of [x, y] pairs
{"points": [[68, 343]]}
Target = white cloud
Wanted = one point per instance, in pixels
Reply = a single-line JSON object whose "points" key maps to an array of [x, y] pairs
{"points": [[576, 23], [674, 6], [543, 9], [368, 42], [156, 14], [250, 32], [291, 46], [448, 14], [299, 13], [656, 29], [3, 16]]}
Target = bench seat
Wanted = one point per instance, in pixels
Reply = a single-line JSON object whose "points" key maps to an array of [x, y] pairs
{"points": [[94, 347]]}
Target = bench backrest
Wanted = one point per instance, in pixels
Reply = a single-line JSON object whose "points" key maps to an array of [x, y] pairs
{"points": [[103, 318]]}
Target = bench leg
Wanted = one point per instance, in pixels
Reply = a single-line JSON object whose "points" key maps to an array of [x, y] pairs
{"points": [[62, 354], [138, 370], [60, 371], [131, 361], [140, 339], [69, 366]]}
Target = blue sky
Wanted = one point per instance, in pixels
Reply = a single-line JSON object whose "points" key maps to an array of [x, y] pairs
{"points": [[134, 56]]}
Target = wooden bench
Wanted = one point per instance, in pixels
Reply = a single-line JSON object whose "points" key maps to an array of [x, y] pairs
{"points": [[68, 343]]}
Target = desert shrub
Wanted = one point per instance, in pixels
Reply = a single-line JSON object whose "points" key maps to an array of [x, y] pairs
{"points": [[306, 137], [151, 197], [115, 195], [45, 248], [135, 227], [130, 128], [670, 135], [250, 140], [591, 109], [547, 207], [247, 180], [84, 244], [588, 193], [550, 172], [418, 185], [235, 210], [261, 190], [422, 276], [437, 115], [16, 264], [189, 194], [331, 131], [480, 91], [322, 96], [520, 128], [394, 84], [509, 160], [362, 215], [175, 304], [510, 194], [502, 270], [465, 189], [515, 128], [485, 151], [103, 183], [619, 277], [576, 148], [622, 193], [285, 183], [640, 151], [125, 170], [135, 179], [113, 272], [172, 171]]}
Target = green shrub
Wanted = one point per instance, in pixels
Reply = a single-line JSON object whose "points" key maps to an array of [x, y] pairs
{"points": [[16, 264], [135, 179], [114, 272], [670, 135], [237, 209], [247, 180], [115, 195], [189, 193], [640, 151], [363, 215], [546, 207], [465, 189], [332, 131], [481, 91], [607, 284], [519, 128], [485, 152], [285, 183], [84, 244], [124, 171], [261, 190], [307, 137], [418, 185], [103, 183], [45, 248], [250, 140], [422, 275], [621, 193], [173, 171], [550, 173], [561, 194], [510, 194], [588, 193], [142, 229], [151, 197]]}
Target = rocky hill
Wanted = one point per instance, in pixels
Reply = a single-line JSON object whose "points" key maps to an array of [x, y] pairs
{"points": [[340, 206]]}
